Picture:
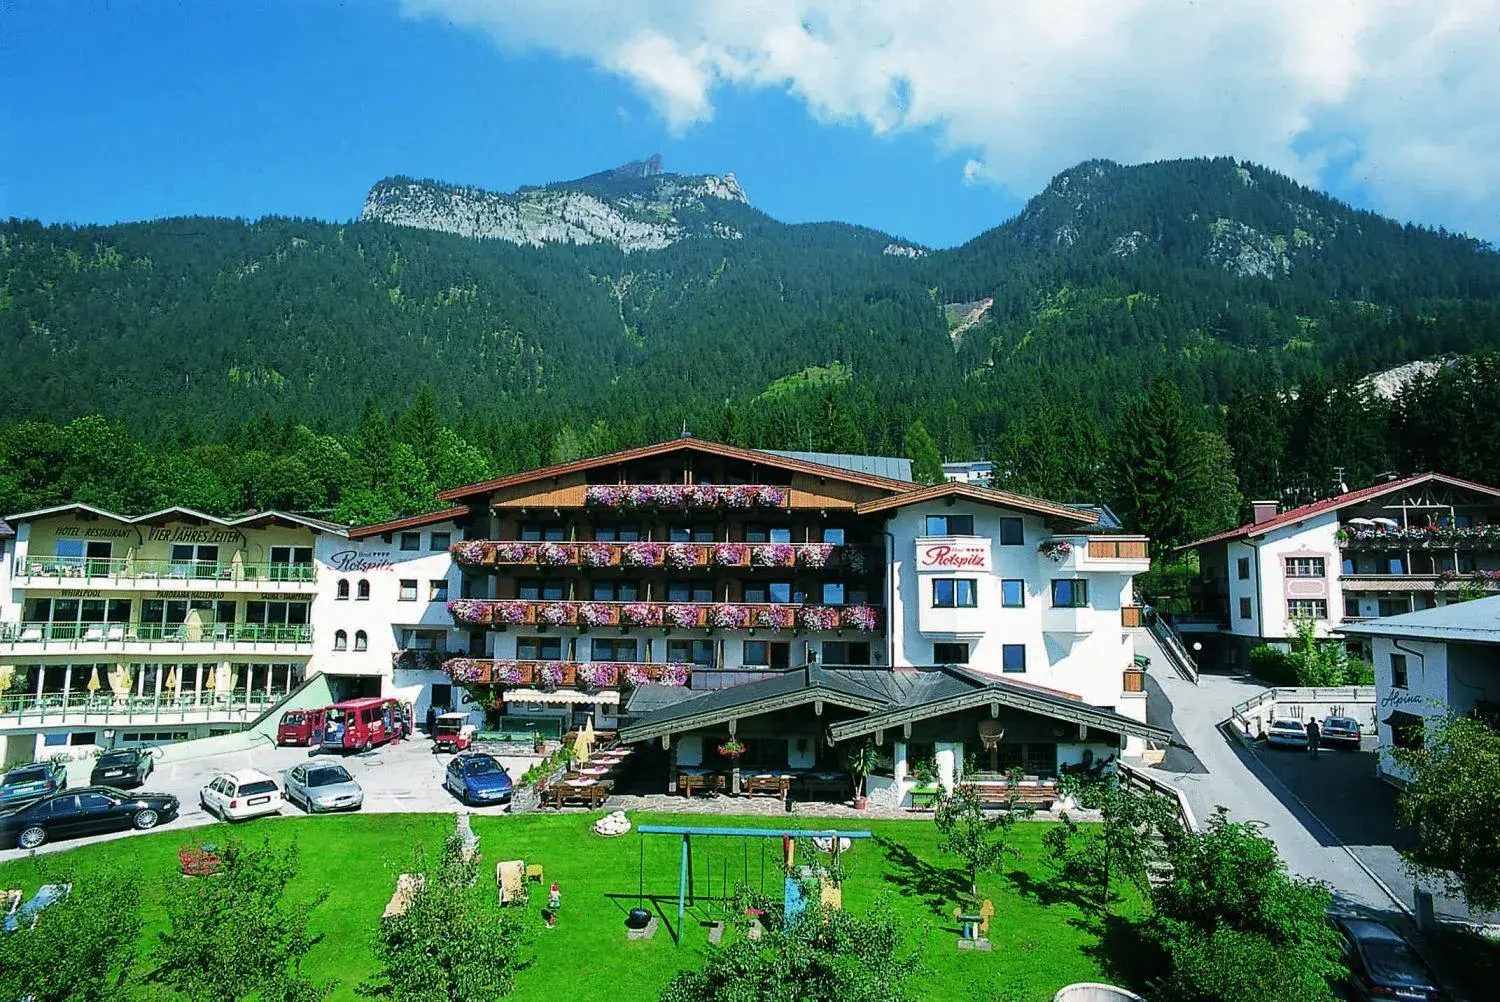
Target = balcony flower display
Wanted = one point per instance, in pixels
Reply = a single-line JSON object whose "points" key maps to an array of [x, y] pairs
{"points": [[552, 555], [684, 496], [641, 554], [701, 496], [730, 554], [682, 555], [673, 674], [773, 555], [595, 554], [861, 617], [817, 617], [552, 614], [683, 617], [1055, 549], [640, 614], [599, 674], [775, 617], [1470, 537], [506, 673], [815, 554], [469, 612], [513, 553], [550, 676], [596, 614], [637, 674], [508, 613], [468, 552], [464, 671], [726, 616]]}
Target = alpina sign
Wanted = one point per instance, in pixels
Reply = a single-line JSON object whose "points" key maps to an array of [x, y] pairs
{"points": [[948, 555]]}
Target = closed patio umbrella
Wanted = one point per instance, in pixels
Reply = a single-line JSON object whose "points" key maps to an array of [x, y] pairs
{"points": [[94, 684], [171, 682], [588, 732], [581, 747]]}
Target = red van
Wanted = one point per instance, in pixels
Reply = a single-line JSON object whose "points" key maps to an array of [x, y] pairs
{"points": [[361, 724], [299, 727]]}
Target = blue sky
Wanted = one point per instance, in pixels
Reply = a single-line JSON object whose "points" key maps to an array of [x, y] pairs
{"points": [[931, 129]]}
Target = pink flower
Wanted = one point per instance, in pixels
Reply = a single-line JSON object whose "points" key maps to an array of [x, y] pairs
{"points": [[637, 674], [861, 617], [775, 617], [469, 612], [513, 553], [681, 616], [773, 555], [641, 554], [683, 555], [553, 614], [506, 673], [814, 554], [596, 614], [771, 497], [551, 675], [640, 614], [595, 554], [728, 617], [463, 670], [508, 613], [600, 674], [469, 552], [604, 495], [553, 555], [701, 496], [731, 554], [673, 674], [817, 617]]}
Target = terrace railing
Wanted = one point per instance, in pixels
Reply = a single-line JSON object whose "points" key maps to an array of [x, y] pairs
{"points": [[554, 674], [141, 569], [668, 615], [674, 556], [140, 709], [24, 635]]}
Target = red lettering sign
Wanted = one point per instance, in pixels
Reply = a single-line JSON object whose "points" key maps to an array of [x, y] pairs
{"points": [[947, 557]]}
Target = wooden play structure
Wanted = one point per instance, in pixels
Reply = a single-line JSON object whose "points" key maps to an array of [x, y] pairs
{"points": [[974, 927]]}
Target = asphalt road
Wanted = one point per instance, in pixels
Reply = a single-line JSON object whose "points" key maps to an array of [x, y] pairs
{"points": [[402, 778]]}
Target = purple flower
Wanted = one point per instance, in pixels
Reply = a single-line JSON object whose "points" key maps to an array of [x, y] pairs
{"points": [[513, 553], [701, 496], [506, 673], [468, 552], [731, 554], [596, 614], [861, 617], [682, 616], [553, 614], [640, 614], [775, 617], [599, 674], [773, 555], [551, 675], [817, 617], [508, 613], [814, 554], [771, 497], [469, 612], [683, 555], [595, 554], [673, 674], [604, 495], [553, 555], [637, 674], [740, 495], [641, 554], [728, 617], [463, 670]]}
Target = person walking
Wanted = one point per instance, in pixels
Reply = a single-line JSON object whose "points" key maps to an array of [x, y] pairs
{"points": [[1314, 736]]}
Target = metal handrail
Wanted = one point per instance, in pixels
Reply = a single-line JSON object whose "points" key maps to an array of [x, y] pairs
{"points": [[1172, 646], [203, 701], [76, 634], [142, 568], [1137, 781]]}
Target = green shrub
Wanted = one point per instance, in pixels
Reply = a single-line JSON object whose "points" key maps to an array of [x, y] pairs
{"points": [[1273, 665]]}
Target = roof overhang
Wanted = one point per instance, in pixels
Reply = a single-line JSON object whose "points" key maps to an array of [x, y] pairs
{"points": [[178, 514], [998, 694], [979, 495], [414, 522], [684, 716]]}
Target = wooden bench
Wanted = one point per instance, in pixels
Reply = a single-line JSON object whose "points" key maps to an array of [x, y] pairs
{"points": [[925, 797], [814, 785], [780, 786], [687, 783], [1004, 794]]}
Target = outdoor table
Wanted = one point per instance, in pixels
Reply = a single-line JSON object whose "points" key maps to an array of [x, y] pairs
{"points": [[592, 771], [780, 785], [586, 789], [825, 782], [699, 780]]}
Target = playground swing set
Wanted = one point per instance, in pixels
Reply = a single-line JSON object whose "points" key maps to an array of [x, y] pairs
{"points": [[639, 923]]}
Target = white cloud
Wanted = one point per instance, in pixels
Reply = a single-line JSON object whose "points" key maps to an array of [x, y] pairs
{"points": [[1400, 92], [973, 170]]}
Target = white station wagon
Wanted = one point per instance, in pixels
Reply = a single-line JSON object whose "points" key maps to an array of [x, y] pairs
{"points": [[236, 796], [1287, 733]]}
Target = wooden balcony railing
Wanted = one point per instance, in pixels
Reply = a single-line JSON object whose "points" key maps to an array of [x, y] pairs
{"points": [[1131, 617], [673, 556], [566, 674], [1117, 549], [668, 615]]}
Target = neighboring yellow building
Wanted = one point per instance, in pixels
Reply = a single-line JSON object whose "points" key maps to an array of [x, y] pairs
{"points": [[125, 630]]}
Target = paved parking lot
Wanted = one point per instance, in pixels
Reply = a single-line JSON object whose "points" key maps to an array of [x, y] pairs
{"points": [[407, 777]]}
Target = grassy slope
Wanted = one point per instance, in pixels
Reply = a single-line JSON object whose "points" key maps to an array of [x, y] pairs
{"points": [[1040, 943]]}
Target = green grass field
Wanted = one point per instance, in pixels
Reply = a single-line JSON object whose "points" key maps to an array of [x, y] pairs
{"points": [[1041, 942]]}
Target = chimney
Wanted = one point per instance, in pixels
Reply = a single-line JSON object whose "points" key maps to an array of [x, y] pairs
{"points": [[1263, 511]]}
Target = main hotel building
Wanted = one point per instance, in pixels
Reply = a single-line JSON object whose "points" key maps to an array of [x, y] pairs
{"points": [[679, 593]]}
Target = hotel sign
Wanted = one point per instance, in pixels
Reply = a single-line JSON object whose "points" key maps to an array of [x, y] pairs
{"points": [[967, 553]]}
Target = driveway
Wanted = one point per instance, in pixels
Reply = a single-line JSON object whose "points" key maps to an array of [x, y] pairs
{"points": [[401, 778]]}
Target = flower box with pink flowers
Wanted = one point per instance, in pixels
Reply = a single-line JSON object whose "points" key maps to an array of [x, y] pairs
{"points": [[817, 617], [642, 554], [469, 612], [773, 555], [514, 553], [469, 552]]}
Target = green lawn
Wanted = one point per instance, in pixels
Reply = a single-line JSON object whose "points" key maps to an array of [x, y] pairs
{"points": [[1041, 943]]}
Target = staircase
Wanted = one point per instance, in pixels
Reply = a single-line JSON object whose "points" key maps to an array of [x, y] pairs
{"points": [[1171, 645]]}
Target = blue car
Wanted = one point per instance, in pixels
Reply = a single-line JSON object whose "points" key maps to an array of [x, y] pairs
{"points": [[479, 779], [26, 783]]}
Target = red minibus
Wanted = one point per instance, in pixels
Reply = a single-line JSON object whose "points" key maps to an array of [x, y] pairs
{"points": [[299, 727], [361, 723]]}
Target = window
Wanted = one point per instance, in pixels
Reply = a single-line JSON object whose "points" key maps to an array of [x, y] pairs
{"points": [[1244, 608], [834, 536], [698, 652], [341, 641], [833, 593], [439, 541], [539, 648], [550, 590], [954, 593], [437, 590], [1242, 568], [343, 590], [1304, 567], [615, 650], [617, 533], [1399, 679], [616, 591], [1070, 593], [276, 613], [846, 652], [1013, 657], [950, 654], [767, 654], [542, 534], [1012, 533], [768, 591], [756, 533], [1307, 608], [950, 525], [411, 541], [361, 640], [1395, 565], [408, 590], [362, 590], [689, 591], [1013, 594], [690, 534]]}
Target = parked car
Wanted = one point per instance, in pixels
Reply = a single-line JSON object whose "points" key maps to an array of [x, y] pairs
{"points": [[1382, 964], [323, 786], [452, 732], [84, 811], [26, 783], [125, 768], [1341, 731], [477, 778], [238, 796], [1287, 733], [25, 916], [300, 727]]}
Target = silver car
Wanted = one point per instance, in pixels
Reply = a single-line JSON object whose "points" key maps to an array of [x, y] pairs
{"points": [[323, 786]]}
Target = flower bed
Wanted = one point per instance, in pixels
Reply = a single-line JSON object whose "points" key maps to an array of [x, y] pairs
{"points": [[629, 496], [773, 555], [468, 552]]}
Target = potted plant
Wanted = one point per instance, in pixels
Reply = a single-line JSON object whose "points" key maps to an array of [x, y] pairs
{"points": [[861, 761]]}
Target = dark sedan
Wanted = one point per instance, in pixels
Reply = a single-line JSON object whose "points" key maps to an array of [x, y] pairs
{"points": [[1382, 964], [1341, 731], [26, 783], [125, 768], [85, 811]]}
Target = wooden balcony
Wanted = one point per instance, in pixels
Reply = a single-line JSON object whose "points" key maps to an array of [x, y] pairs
{"points": [[559, 674], [1134, 680], [672, 556], [1106, 548], [1132, 617], [500, 614]]}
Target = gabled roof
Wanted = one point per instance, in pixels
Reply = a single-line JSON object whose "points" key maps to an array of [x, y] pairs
{"points": [[687, 444], [252, 520], [413, 522], [1475, 622], [1306, 511], [981, 495]]}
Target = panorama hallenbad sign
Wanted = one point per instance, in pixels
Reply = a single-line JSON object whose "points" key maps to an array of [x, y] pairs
{"points": [[950, 555]]}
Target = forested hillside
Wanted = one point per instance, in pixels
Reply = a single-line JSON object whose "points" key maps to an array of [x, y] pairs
{"points": [[302, 339]]}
